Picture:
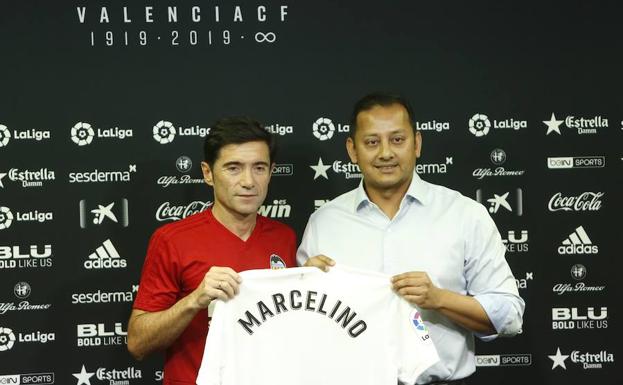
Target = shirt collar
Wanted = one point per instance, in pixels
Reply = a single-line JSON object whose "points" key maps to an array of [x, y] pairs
{"points": [[418, 190]]}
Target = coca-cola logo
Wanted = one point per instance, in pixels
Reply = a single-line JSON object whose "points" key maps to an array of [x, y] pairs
{"points": [[587, 201], [169, 212]]}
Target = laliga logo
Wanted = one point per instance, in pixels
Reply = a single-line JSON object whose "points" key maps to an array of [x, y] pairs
{"points": [[6, 218], [164, 132], [82, 134], [5, 135], [7, 339], [323, 129], [479, 125]]}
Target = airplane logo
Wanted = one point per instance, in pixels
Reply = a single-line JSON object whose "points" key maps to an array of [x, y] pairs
{"points": [[499, 201]]}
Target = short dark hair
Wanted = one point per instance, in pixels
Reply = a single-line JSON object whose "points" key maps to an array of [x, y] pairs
{"points": [[236, 130], [384, 99]]}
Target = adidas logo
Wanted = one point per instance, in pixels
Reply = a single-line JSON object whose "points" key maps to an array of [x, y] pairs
{"points": [[105, 257], [578, 242]]}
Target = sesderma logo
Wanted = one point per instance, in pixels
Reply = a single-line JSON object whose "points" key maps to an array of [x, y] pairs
{"points": [[97, 176], [578, 242]]}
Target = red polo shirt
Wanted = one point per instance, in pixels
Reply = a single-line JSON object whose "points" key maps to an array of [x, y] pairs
{"points": [[178, 257]]}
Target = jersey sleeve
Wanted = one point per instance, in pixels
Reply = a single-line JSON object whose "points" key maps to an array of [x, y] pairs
{"points": [[413, 348], [213, 362], [159, 286]]}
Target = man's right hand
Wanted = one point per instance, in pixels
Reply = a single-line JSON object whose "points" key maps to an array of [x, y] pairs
{"points": [[320, 261], [219, 282]]}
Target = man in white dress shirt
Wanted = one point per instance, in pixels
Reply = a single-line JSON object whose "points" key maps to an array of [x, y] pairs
{"points": [[442, 248]]}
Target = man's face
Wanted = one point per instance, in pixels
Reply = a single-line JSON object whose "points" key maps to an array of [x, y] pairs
{"points": [[240, 177], [385, 147]]}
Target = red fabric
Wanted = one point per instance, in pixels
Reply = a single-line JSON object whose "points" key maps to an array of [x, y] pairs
{"points": [[179, 255]]}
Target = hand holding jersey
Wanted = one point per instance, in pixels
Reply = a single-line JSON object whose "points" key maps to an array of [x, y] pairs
{"points": [[361, 331], [218, 283], [322, 262], [417, 288]]}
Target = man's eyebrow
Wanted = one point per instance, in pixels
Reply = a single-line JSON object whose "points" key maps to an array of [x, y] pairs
{"points": [[239, 163], [232, 163]]}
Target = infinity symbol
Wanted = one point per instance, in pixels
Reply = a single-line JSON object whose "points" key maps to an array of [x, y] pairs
{"points": [[268, 37]]}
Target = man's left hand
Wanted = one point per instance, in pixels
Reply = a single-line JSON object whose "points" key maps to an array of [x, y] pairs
{"points": [[417, 288]]}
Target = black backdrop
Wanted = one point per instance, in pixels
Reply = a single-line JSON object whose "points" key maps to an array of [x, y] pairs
{"points": [[293, 64]]}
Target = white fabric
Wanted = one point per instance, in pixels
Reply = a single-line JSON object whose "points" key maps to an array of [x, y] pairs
{"points": [[438, 231], [379, 345]]}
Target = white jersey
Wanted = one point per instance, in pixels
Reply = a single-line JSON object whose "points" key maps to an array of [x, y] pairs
{"points": [[304, 326]]}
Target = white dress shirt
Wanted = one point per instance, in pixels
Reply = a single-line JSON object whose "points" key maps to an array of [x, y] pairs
{"points": [[436, 230]]}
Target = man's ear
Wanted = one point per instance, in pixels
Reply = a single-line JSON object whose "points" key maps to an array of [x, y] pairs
{"points": [[418, 144], [208, 177], [350, 147]]}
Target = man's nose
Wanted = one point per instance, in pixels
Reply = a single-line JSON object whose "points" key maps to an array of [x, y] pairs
{"points": [[385, 150], [246, 179]]}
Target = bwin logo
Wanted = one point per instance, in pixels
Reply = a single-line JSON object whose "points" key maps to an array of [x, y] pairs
{"points": [[164, 132], [105, 257], [6, 218], [578, 242], [479, 125], [5, 135], [82, 134], [323, 129]]}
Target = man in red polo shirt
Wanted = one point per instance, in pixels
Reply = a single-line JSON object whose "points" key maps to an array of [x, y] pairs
{"points": [[191, 262]]}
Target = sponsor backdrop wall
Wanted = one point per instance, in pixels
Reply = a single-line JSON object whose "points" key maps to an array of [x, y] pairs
{"points": [[104, 106]]}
